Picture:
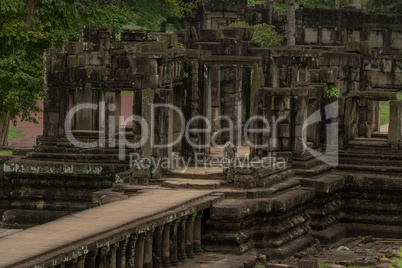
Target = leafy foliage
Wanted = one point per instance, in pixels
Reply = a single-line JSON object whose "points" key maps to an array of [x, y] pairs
{"points": [[28, 28], [264, 33], [332, 92], [398, 261], [384, 6], [181, 6]]}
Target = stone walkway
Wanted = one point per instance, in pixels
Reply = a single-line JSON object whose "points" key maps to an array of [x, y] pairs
{"points": [[87, 224]]}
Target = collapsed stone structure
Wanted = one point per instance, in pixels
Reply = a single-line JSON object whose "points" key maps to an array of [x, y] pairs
{"points": [[353, 189]]}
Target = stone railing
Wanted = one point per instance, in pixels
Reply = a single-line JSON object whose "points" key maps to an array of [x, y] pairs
{"points": [[163, 240]]}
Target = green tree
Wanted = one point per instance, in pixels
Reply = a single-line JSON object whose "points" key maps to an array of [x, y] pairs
{"points": [[28, 27], [384, 6]]}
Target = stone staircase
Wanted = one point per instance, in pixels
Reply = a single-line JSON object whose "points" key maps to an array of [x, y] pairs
{"points": [[371, 155], [271, 220], [54, 181], [306, 165]]}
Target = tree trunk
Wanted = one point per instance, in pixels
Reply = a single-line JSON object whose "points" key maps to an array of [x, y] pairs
{"points": [[4, 127], [338, 4], [31, 12], [291, 21]]}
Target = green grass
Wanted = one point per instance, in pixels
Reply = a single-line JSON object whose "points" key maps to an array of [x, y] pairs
{"points": [[384, 117], [14, 133], [6, 152]]}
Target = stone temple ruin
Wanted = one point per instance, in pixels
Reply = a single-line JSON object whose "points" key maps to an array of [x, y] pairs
{"points": [[332, 172]]}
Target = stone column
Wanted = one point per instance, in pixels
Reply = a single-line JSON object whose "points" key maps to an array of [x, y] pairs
{"points": [[173, 243], [157, 247], [139, 251], [166, 245], [148, 249], [197, 233], [190, 236], [181, 239], [112, 255], [121, 253], [130, 251], [395, 124], [229, 161], [71, 264], [101, 259], [81, 261], [147, 102], [90, 260]]}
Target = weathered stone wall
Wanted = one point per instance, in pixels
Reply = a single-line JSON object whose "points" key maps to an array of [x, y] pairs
{"points": [[337, 26]]}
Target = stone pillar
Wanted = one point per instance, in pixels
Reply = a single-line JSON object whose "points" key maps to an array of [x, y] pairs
{"points": [[112, 255], [147, 102], [130, 251], [148, 249], [90, 260], [395, 124], [190, 236], [101, 259], [139, 251], [300, 100], [181, 239], [121, 253], [71, 264], [166, 245], [229, 161], [197, 233], [157, 247], [207, 107], [81, 261], [173, 243]]}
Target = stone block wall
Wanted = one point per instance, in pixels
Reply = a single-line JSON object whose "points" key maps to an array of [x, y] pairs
{"points": [[286, 110], [382, 74], [317, 26]]}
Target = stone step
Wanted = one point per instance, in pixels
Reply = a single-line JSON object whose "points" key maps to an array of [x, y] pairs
{"points": [[311, 163], [369, 144], [289, 200], [275, 179], [388, 155], [30, 167], [289, 249], [194, 183], [59, 194], [313, 171], [325, 184], [50, 205], [73, 157], [203, 173], [376, 140], [370, 168], [60, 182], [382, 135], [370, 161]]}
